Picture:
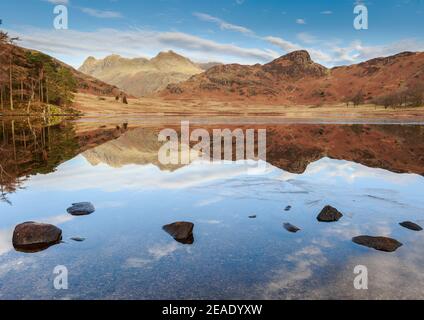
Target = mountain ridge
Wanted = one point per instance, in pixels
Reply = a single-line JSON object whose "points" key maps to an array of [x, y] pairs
{"points": [[296, 79], [142, 76]]}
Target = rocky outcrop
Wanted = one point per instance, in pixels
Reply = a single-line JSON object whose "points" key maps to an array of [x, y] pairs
{"points": [[378, 243], [295, 65], [33, 236]]}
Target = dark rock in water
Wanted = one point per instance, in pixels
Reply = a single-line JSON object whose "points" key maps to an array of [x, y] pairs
{"points": [[411, 226], [291, 228], [34, 237], [329, 214], [81, 209], [181, 231], [378, 243], [78, 239], [288, 208], [253, 217]]}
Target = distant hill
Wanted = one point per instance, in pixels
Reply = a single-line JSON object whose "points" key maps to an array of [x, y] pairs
{"points": [[142, 76], [295, 79]]}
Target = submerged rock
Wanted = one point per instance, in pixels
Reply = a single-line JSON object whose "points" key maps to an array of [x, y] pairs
{"points": [[78, 239], [34, 237], [411, 226], [378, 243], [329, 214], [288, 208], [81, 209], [291, 228], [181, 231]]}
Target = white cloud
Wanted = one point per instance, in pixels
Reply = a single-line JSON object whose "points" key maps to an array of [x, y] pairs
{"points": [[58, 1], [104, 14], [306, 38], [288, 46], [74, 46], [327, 12], [300, 21], [221, 23]]}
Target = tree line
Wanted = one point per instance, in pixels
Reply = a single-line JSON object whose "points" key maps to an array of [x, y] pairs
{"points": [[411, 96], [31, 80]]}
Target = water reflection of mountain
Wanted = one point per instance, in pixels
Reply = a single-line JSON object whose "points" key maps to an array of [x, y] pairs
{"points": [[29, 146], [397, 148]]}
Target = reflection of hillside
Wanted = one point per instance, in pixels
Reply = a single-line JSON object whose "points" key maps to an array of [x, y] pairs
{"points": [[30, 147], [36, 146], [292, 148]]}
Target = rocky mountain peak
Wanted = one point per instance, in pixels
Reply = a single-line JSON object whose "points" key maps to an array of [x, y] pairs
{"points": [[296, 64]]}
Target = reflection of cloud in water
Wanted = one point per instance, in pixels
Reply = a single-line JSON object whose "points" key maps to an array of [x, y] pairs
{"points": [[160, 251], [6, 241], [209, 221], [138, 176], [207, 202], [286, 281], [314, 275], [326, 168], [156, 253], [391, 276], [15, 264]]}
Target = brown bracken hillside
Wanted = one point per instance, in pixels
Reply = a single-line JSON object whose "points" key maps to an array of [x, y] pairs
{"points": [[295, 79]]}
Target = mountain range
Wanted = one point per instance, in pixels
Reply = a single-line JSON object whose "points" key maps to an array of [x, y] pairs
{"points": [[141, 76], [295, 79]]}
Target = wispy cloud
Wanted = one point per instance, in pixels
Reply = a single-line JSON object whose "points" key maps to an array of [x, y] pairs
{"points": [[104, 14], [307, 38], [300, 21], [135, 43], [221, 23], [327, 12], [58, 1]]}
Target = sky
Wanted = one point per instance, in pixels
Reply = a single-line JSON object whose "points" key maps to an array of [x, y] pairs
{"points": [[228, 31]]}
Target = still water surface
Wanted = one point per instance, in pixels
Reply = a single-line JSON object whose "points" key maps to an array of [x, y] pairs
{"points": [[373, 174]]}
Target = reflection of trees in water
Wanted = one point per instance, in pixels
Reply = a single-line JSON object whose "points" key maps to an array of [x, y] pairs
{"points": [[31, 146]]}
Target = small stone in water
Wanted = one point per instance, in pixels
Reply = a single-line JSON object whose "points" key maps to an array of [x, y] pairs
{"points": [[378, 243], [291, 228], [411, 226], [78, 239], [81, 209]]}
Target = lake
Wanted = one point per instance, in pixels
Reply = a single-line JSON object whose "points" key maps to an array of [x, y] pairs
{"points": [[372, 173]]}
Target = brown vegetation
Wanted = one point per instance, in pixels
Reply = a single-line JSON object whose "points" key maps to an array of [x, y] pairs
{"points": [[295, 79]]}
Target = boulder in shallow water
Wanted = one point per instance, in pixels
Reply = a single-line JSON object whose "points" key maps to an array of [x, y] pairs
{"points": [[181, 231], [291, 228], [329, 214], [34, 237], [81, 209], [411, 226], [378, 243]]}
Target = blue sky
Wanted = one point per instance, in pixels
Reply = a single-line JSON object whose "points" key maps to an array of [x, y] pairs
{"points": [[243, 31]]}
